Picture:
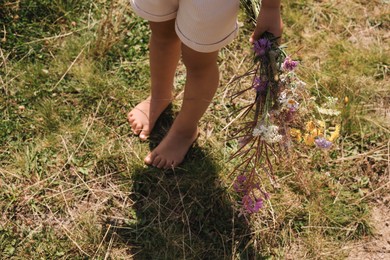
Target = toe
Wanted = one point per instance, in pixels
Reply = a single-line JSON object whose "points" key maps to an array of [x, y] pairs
{"points": [[149, 159], [174, 164], [162, 163], [156, 161], [168, 165], [144, 133], [131, 120], [137, 128], [133, 126]]}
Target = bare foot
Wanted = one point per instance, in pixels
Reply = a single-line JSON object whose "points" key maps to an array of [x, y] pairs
{"points": [[143, 117], [172, 149]]}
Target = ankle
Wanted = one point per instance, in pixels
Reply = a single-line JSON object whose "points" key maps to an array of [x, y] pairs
{"points": [[184, 130], [160, 98]]}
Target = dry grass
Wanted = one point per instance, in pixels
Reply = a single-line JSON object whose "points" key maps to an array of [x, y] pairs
{"points": [[73, 184]]}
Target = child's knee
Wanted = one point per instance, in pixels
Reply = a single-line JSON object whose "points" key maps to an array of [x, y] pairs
{"points": [[164, 31], [194, 60]]}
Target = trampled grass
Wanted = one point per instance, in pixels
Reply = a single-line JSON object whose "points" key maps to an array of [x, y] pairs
{"points": [[73, 182]]}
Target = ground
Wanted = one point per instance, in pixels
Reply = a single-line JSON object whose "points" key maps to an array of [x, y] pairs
{"points": [[378, 246], [73, 184]]}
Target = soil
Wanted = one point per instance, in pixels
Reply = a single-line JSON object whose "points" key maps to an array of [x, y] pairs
{"points": [[377, 246]]}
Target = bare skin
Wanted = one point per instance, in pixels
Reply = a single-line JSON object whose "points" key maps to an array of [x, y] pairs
{"points": [[269, 20], [143, 117], [201, 85], [165, 49]]}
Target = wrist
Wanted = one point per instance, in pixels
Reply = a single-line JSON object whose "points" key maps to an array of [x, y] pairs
{"points": [[270, 4], [269, 13]]}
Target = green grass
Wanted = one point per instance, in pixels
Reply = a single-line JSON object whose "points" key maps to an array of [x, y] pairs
{"points": [[73, 183]]}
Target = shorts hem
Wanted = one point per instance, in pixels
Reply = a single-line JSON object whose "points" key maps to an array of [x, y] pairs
{"points": [[151, 17], [206, 47]]}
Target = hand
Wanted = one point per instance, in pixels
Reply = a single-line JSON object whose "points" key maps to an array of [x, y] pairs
{"points": [[269, 20]]}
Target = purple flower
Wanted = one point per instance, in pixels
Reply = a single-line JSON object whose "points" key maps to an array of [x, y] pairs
{"points": [[260, 85], [261, 46], [238, 185], [289, 64], [241, 178], [322, 143], [250, 205]]}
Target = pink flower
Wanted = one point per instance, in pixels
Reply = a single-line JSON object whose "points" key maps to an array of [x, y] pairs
{"points": [[241, 178], [239, 184], [289, 64], [250, 205]]}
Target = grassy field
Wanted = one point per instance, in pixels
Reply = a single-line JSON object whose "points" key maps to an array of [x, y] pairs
{"points": [[72, 180]]}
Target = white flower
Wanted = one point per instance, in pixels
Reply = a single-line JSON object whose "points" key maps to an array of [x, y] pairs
{"points": [[259, 130], [269, 134], [299, 83], [331, 101], [288, 101], [328, 111]]}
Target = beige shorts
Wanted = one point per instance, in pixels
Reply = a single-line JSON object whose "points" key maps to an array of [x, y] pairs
{"points": [[202, 25]]}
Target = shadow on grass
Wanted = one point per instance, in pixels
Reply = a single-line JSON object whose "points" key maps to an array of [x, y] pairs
{"points": [[185, 213]]}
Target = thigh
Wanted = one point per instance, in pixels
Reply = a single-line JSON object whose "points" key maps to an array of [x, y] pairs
{"points": [[207, 26], [155, 10]]}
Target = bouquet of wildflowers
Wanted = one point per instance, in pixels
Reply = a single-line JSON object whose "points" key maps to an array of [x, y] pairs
{"points": [[274, 120]]}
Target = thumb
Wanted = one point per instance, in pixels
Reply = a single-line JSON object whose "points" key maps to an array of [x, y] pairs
{"points": [[259, 30]]}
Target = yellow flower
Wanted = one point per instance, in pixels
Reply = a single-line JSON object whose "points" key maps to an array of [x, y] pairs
{"points": [[316, 132], [296, 134], [335, 134], [321, 124], [309, 139], [312, 131], [310, 126]]}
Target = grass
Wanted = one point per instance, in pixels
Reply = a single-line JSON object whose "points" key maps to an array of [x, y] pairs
{"points": [[73, 183]]}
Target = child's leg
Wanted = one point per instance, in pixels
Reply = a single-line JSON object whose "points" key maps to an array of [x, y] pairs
{"points": [[201, 85], [165, 48]]}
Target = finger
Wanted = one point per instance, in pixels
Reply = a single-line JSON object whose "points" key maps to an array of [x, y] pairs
{"points": [[259, 30]]}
